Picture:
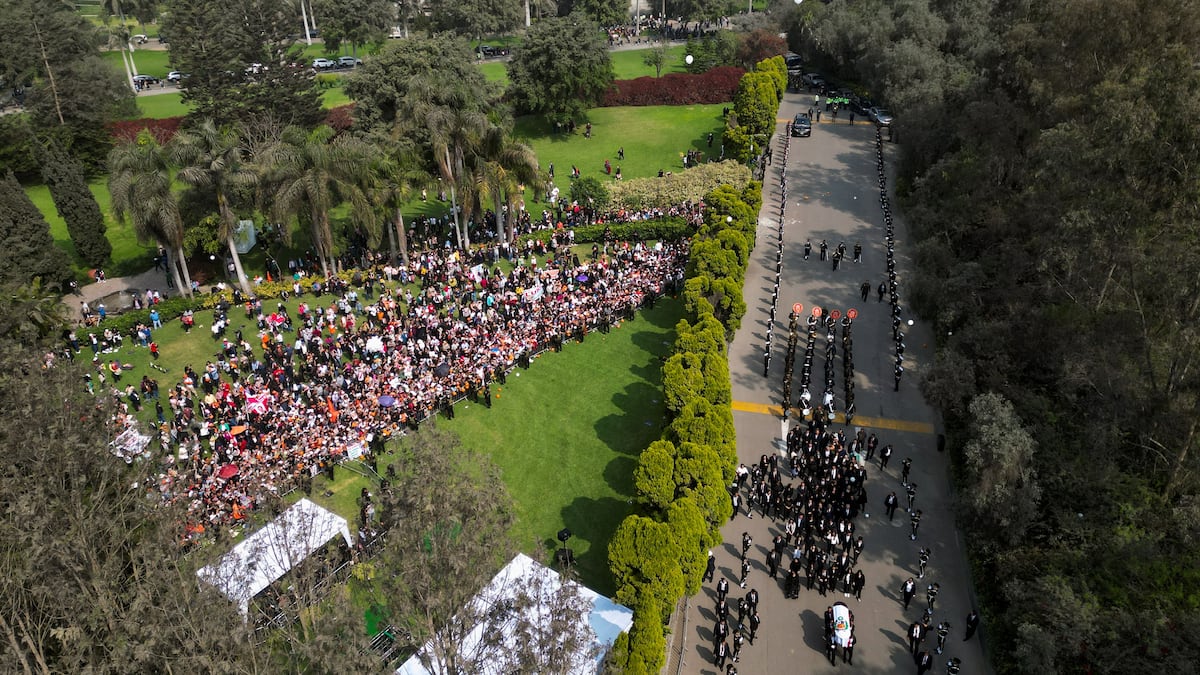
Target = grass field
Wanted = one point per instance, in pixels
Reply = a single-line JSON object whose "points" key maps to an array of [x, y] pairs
{"points": [[566, 433], [627, 65], [654, 137]]}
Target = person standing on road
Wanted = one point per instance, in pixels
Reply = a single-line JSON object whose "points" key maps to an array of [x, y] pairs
{"points": [[865, 291], [745, 572], [890, 503], [720, 654], [931, 594], [722, 589], [710, 568], [911, 493], [747, 542], [916, 633], [905, 468], [859, 582], [755, 622], [807, 248], [908, 589], [884, 456], [738, 641], [923, 558], [915, 522], [858, 255], [924, 662], [824, 249], [972, 624]]}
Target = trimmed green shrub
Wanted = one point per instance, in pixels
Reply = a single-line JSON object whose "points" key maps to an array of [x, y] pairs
{"points": [[690, 185]]}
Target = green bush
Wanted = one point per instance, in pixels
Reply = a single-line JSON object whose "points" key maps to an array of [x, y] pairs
{"points": [[653, 478], [663, 229], [776, 67], [689, 185], [756, 103]]}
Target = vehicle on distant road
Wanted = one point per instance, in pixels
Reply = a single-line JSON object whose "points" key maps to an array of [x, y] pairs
{"points": [[175, 77], [813, 80], [323, 64], [349, 62], [145, 79], [490, 52], [139, 39], [802, 125], [880, 116]]}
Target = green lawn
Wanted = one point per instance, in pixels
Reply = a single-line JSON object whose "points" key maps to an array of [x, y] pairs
{"points": [[162, 106], [654, 137], [148, 61], [627, 65]]}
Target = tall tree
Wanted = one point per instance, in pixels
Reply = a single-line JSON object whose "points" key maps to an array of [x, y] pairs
{"points": [[308, 173], [29, 250], [603, 12], [92, 577], [209, 158], [448, 517], [139, 181], [355, 22], [399, 172], [243, 59], [76, 204], [504, 167], [394, 91], [561, 69], [456, 136], [53, 54], [476, 18]]}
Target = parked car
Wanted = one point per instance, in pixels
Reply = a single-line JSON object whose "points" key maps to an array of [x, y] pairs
{"points": [[802, 125], [490, 52], [813, 80], [348, 62], [139, 39], [145, 79], [323, 64], [175, 77], [794, 64], [861, 105], [880, 116]]}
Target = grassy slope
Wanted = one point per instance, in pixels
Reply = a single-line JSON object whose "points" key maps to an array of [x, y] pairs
{"points": [[129, 257]]}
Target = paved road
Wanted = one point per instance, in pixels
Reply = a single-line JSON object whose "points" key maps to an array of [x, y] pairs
{"points": [[833, 195]]}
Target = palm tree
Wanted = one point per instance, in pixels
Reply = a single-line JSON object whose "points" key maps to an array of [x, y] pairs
{"points": [[456, 136], [140, 184], [309, 173], [211, 159], [507, 165], [399, 174]]}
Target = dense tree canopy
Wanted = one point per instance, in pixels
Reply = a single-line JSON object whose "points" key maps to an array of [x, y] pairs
{"points": [[76, 204], [1048, 172], [561, 69], [242, 60], [476, 18], [353, 22], [29, 251]]}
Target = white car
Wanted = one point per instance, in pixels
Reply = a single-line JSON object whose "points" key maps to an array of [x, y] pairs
{"points": [[175, 76], [323, 64], [348, 62]]}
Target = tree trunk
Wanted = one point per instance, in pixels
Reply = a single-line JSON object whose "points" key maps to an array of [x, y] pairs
{"points": [[458, 231], [501, 226], [391, 242], [181, 264], [402, 236], [237, 265], [37, 32], [1177, 472], [527, 13]]}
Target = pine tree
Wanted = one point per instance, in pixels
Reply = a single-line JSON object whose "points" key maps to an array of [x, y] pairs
{"points": [[29, 249], [77, 205]]}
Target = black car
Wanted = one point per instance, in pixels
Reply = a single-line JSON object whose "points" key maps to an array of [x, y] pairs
{"points": [[860, 105], [490, 52], [802, 125]]}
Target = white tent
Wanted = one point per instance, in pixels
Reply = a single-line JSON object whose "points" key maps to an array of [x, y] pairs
{"points": [[268, 554], [605, 619]]}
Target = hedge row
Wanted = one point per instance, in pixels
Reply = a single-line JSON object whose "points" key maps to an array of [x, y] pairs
{"points": [[670, 228], [659, 553], [162, 130], [755, 106], [714, 86]]}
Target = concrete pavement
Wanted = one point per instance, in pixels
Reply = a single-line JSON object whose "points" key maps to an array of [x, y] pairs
{"points": [[833, 195]]}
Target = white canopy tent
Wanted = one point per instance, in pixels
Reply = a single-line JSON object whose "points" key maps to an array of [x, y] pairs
{"points": [[265, 556], [605, 619]]}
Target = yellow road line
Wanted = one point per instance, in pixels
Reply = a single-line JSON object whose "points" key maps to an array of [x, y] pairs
{"points": [[859, 420]]}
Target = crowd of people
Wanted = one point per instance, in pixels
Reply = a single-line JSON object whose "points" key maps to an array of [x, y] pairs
{"points": [[292, 393]]}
